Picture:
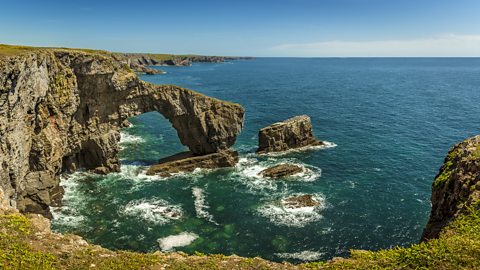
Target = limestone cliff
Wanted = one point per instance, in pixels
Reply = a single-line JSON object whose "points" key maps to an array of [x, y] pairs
{"points": [[62, 109], [456, 187]]}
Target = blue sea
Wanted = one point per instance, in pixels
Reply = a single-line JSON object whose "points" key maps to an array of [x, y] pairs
{"points": [[389, 123]]}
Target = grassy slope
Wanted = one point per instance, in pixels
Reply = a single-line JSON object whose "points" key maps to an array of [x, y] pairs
{"points": [[23, 246]]}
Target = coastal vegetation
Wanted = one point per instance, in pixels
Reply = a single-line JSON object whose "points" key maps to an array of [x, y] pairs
{"points": [[26, 243]]}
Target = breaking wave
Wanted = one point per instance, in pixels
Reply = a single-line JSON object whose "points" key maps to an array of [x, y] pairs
{"points": [[201, 208], [280, 215], [157, 211]]}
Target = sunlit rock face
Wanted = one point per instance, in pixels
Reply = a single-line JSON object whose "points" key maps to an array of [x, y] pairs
{"points": [[456, 187], [292, 133]]}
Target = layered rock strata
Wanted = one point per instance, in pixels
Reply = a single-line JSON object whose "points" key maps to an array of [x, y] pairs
{"points": [[62, 109], [456, 187], [281, 171], [295, 132], [188, 162]]}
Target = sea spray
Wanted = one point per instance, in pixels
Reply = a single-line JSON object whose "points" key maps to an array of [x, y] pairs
{"points": [[157, 211], [201, 208]]}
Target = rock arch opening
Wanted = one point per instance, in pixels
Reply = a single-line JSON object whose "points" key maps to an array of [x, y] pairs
{"points": [[148, 138]]}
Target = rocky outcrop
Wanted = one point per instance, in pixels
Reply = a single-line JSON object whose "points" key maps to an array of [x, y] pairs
{"points": [[62, 109], [300, 201], [281, 171], [456, 187], [295, 132], [188, 162]]}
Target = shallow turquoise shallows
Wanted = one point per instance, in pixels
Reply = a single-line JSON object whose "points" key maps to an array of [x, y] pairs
{"points": [[390, 122]]}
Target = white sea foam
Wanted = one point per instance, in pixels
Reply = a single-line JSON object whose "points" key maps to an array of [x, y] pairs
{"points": [[325, 145], [248, 171], [157, 211], [306, 255], [126, 138], [201, 208], [69, 213], [292, 217], [179, 240]]}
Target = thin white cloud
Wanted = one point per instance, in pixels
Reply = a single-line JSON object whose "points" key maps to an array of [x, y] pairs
{"points": [[444, 45]]}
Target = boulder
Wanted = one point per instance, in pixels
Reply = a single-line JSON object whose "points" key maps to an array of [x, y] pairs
{"points": [[188, 162], [280, 171], [295, 132], [300, 201]]}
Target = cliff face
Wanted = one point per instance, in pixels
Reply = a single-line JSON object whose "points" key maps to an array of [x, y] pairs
{"points": [[61, 110], [456, 188], [146, 59]]}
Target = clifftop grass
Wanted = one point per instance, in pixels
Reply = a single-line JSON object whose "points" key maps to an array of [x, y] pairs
{"points": [[23, 246]]}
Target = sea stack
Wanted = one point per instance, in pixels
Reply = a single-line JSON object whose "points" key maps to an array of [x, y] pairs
{"points": [[292, 133]]}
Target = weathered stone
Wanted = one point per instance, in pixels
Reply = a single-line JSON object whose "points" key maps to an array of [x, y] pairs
{"points": [[456, 186], [299, 201], [292, 133], [282, 170], [61, 110], [188, 162]]}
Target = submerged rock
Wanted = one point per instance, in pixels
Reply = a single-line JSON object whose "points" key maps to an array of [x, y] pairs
{"points": [[188, 162], [282, 170], [299, 201], [292, 133]]}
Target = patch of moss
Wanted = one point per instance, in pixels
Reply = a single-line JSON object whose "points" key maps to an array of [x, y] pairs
{"points": [[476, 152], [15, 252], [444, 176]]}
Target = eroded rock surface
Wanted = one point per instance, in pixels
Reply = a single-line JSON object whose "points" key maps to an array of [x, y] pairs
{"points": [[188, 162], [281, 171], [62, 109], [299, 201], [456, 187], [295, 132]]}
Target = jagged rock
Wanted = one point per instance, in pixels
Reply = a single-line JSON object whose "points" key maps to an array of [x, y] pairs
{"points": [[188, 162], [61, 110], [292, 133], [456, 187], [299, 201], [282, 170]]}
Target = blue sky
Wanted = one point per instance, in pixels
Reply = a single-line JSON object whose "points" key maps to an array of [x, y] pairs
{"points": [[256, 28]]}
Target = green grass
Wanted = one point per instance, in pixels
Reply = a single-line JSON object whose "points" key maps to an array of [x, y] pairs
{"points": [[458, 247], [10, 50]]}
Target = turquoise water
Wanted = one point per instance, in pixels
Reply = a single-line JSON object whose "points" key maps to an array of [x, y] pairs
{"points": [[392, 121]]}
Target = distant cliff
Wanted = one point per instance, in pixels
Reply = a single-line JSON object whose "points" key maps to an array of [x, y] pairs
{"points": [[147, 59]]}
